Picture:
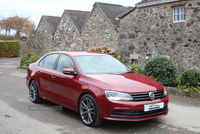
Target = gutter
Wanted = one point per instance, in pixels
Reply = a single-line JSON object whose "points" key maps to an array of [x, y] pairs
{"points": [[156, 3]]}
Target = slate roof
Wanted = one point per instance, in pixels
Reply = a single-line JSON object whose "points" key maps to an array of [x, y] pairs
{"points": [[126, 13], [146, 1], [78, 17], [111, 11], [53, 22]]}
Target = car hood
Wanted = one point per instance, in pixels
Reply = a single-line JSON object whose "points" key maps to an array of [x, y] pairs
{"points": [[128, 82]]}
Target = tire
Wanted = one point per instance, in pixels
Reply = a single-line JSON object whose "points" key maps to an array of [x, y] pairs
{"points": [[34, 92], [89, 111]]}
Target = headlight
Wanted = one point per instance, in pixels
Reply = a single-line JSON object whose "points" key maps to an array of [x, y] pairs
{"points": [[113, 95], [165, 92]]}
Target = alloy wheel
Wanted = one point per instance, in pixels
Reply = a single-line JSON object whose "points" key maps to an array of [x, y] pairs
{"points": [[87, 110], [33, 91]]}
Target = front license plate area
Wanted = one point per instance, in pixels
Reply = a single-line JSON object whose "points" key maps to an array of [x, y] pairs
{"points": [[154, 106]]}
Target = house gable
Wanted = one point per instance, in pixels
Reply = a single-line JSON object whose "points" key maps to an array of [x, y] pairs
{"points": [[53, 22], [111, 11], [98, 30], [43, 34], [78, 17], [42, 25], [67, 34]]}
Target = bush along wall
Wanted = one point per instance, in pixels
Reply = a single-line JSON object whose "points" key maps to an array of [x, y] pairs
{"points": [[189, 81], [136, 69], [9, 48], [27, 60], [162, 70], [107, 50]]}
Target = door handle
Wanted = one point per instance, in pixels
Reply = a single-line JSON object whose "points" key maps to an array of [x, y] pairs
{"points": [[53, 77], [38, 72]]}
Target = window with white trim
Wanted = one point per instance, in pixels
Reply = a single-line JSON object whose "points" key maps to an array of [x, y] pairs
{"points": [[179, 14]]}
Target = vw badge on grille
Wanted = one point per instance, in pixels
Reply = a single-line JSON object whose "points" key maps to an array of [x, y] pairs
{"points": [[151, 95]]}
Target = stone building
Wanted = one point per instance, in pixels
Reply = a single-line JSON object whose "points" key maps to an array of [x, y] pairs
{"points": [[162, 28], [67, 33], [44, 33], [101, 27], [153, 28]]}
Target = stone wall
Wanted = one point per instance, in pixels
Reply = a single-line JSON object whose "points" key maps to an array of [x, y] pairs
{"points": [[150, 32], [26, 47], [43, 39], [66, 35], [98, 31]]}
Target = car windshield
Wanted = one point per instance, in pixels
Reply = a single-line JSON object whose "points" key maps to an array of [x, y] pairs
{"points": [[101, 65]]}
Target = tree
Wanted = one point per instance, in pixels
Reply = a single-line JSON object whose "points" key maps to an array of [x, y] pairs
{"points": [[1, 26], [6, 23], [30, 30], [19, 24], [22, 25]]}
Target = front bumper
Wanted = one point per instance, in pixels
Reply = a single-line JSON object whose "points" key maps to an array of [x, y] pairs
{"points": [[131, 110]]}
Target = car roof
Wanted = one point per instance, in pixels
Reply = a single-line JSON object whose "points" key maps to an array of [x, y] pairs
{"points": [[81, 53]]}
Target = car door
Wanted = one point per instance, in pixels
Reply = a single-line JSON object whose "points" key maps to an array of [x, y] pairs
{"points": [[64, 86], [46, 66]]}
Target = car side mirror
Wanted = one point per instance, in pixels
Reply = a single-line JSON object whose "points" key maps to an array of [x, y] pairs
{"points": [[69, 71], [131, 68]]}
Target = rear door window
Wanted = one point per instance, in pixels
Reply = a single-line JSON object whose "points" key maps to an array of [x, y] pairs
{"points": [[41, 62], [50, 61]]}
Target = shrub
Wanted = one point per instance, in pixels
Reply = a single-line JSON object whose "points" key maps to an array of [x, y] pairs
{"points": [[174, 83], [26, 60], [137, 69], [189, 81], [161, 69], [33, 59], [23, 60], [107, 50]]}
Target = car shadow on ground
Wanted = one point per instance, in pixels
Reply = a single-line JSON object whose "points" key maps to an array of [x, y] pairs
{"points": [[107, 126]]}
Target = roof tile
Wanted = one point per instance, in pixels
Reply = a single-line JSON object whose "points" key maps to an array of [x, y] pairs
{"points": [[78, 17], [112, 11], [53, 22]]}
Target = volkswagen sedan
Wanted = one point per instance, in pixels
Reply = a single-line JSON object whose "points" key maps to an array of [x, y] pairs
{"points": [[96, 85]]}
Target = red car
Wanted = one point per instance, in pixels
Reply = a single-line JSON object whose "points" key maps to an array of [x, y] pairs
{"points": [[96, 85]]}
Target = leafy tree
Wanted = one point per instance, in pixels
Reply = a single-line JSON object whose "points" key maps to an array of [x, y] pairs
{"points": [[22, 25], [19, 24], [6, 23]]}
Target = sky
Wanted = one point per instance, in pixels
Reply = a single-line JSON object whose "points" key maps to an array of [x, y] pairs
{"points": [[34, 9]]}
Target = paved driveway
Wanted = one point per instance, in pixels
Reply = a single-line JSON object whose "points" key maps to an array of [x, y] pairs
{"points": [[19, 115]]}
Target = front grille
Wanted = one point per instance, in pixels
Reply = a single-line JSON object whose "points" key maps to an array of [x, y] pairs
{"points": [[137, 114], [143, 96]]}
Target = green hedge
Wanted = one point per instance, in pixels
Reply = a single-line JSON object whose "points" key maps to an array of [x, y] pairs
{"points": [[189, 81], [9, 48]]}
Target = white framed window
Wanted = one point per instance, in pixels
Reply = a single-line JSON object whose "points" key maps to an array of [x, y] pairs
{"points": [[178, 14]]}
